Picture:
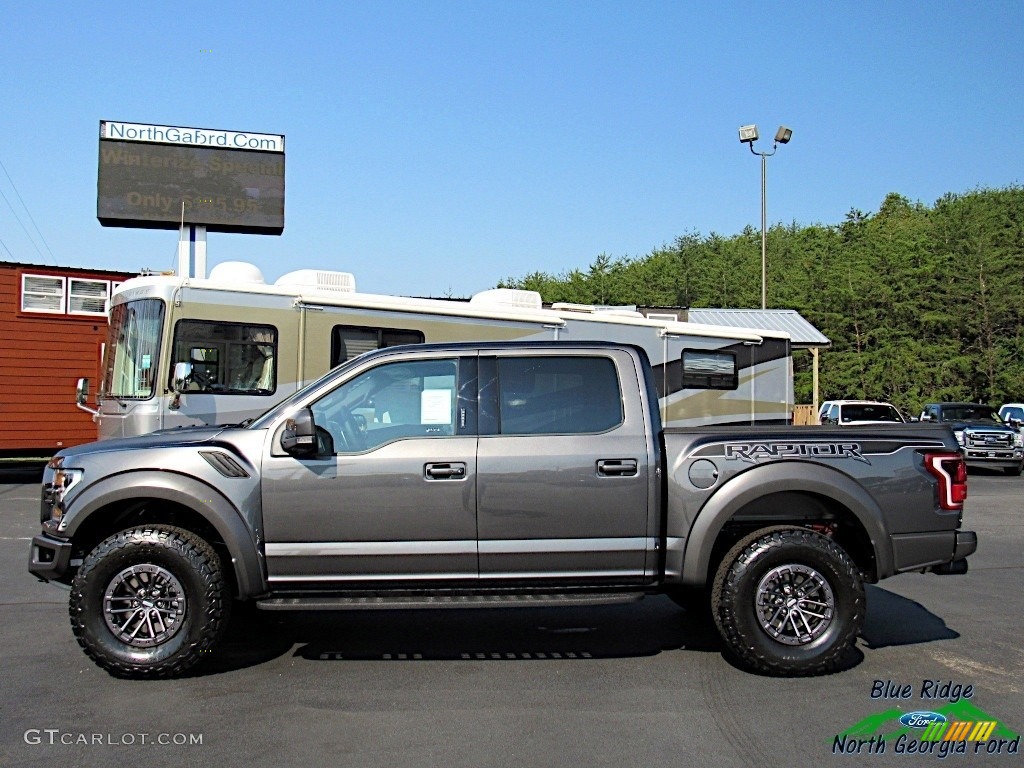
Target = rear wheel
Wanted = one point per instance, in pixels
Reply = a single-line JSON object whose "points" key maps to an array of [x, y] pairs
{"points": [[788, 601], [149, 602]]}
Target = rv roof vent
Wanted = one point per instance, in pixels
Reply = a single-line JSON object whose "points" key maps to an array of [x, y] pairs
{"points": [[514, 298], [235, 272], [320, 279], [566, 306], [619, 311]]}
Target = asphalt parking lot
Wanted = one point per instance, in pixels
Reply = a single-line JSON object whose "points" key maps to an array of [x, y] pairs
{"points": [[630, 685]]}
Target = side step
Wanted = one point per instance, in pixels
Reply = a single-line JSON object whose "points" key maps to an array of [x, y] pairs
{"points": [[405, 602]]}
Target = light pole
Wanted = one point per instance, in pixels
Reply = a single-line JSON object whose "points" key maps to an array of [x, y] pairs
{"points": [[748, 135]]}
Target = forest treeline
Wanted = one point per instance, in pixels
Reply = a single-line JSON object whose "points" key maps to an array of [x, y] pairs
{"points": [[922, 303]]}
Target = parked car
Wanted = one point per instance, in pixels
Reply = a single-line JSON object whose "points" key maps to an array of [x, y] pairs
{"points": [[985, 439], [849, 412], [1013, 414]]}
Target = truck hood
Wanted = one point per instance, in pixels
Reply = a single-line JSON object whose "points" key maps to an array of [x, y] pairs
{"points": [[987, 426], [163, 439]]}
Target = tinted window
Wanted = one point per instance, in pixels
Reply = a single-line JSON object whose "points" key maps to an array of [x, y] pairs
{"points": [[227, 358], [709, 370], [348, 341], [969, 412], [388, 403], [870, 412], [558, 395]]}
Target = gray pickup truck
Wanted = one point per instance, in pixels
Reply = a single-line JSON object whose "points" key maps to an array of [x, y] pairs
{"points": [[494, 474]]}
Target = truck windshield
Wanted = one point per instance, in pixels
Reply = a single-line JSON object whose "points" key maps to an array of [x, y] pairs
{"points": [[983, 413], [133, 349]]}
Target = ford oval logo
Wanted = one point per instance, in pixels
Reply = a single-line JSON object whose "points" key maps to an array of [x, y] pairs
{"points": [[921, 719]]}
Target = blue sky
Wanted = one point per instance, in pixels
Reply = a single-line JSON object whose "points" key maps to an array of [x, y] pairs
{"points": [[434, 148]]}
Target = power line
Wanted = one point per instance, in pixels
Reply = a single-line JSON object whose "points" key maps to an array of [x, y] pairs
{"points": [[30, 216]]}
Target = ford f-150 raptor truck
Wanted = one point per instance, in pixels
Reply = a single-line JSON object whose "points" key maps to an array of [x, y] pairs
{"points": [[493, 474], [985, 439]]}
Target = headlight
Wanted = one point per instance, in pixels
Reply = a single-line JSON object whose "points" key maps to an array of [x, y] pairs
{"points": [[64, 479], [959, 435], [1018, 440]]}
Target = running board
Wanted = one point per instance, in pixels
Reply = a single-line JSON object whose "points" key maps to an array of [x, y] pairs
{"points": [[405, 602]]}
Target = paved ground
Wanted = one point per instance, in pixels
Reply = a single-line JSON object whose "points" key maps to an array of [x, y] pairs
{"points": [[636, 685]]}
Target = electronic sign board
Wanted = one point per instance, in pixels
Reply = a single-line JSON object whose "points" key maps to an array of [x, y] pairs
{"points": [[160, 177]]}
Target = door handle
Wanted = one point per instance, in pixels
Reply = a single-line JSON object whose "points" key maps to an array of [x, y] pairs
{"points": [[445, 471], [617, 467]]}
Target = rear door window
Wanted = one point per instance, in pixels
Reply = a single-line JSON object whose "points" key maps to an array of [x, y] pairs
{"points": [[558, 395]]}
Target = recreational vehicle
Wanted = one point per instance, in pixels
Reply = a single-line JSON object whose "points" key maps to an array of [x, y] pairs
{"points": [[185, 351]]}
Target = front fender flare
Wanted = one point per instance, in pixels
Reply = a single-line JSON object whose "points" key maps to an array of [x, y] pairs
{"points": [[767, 479], [200, 497]]}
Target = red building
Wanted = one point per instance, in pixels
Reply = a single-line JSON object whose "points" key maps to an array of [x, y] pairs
{"points": [[53, 323]]}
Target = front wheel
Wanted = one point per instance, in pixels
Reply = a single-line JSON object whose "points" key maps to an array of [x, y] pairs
{"points": [[1013, 471], [788, 601], [149, 602]]}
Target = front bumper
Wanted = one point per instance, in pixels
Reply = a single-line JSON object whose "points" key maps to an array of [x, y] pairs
{"points": [[49, 558]]}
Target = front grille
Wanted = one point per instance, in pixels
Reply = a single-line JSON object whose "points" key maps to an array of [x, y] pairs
{"points": [[988, 439]]}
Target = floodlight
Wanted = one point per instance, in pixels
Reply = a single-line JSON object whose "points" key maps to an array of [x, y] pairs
{"points": [[748, 134], [783, 135]]}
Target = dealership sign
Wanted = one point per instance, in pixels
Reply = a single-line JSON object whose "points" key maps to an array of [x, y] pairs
{"points": [[198, 137], [160, 176]]}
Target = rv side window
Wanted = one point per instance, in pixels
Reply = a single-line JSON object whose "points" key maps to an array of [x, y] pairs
{"points": [[703, 369], [558, 395], [227, 358], [348, 341]]}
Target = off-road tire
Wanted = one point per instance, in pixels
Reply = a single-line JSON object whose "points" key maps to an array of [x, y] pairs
{"points": [[765, 566], [175, 564]]}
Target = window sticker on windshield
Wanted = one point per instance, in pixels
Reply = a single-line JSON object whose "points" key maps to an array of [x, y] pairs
{"points": [[436, 406]]}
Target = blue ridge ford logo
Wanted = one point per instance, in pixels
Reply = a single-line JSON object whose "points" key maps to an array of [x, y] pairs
{"points": [[921, 719]]}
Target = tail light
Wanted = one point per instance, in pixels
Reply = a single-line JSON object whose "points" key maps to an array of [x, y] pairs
{"points": [[951, 472]]}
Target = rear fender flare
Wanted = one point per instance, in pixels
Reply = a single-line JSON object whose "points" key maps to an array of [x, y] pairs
{"points": [[777, 477]]}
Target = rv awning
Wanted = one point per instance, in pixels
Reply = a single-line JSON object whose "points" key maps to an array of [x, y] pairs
{"points": [[801, 332]]}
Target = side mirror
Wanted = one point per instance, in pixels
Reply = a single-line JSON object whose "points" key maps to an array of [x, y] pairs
{"points": [[299, 436], [182, 373], [82, 391], [926, 417]]}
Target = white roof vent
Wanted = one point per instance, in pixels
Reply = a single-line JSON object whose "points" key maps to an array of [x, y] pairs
{"points": [[235, 272], [320, 279], [510, 298]]}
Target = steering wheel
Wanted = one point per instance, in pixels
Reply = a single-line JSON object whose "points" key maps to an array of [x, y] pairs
{"points": [[351, 428]]}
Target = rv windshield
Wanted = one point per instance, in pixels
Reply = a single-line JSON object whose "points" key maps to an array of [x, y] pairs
{"points": [[133, 349]]}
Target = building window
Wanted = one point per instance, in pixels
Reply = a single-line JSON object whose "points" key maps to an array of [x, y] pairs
{"points": [[87, 297], [42, 293]]}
